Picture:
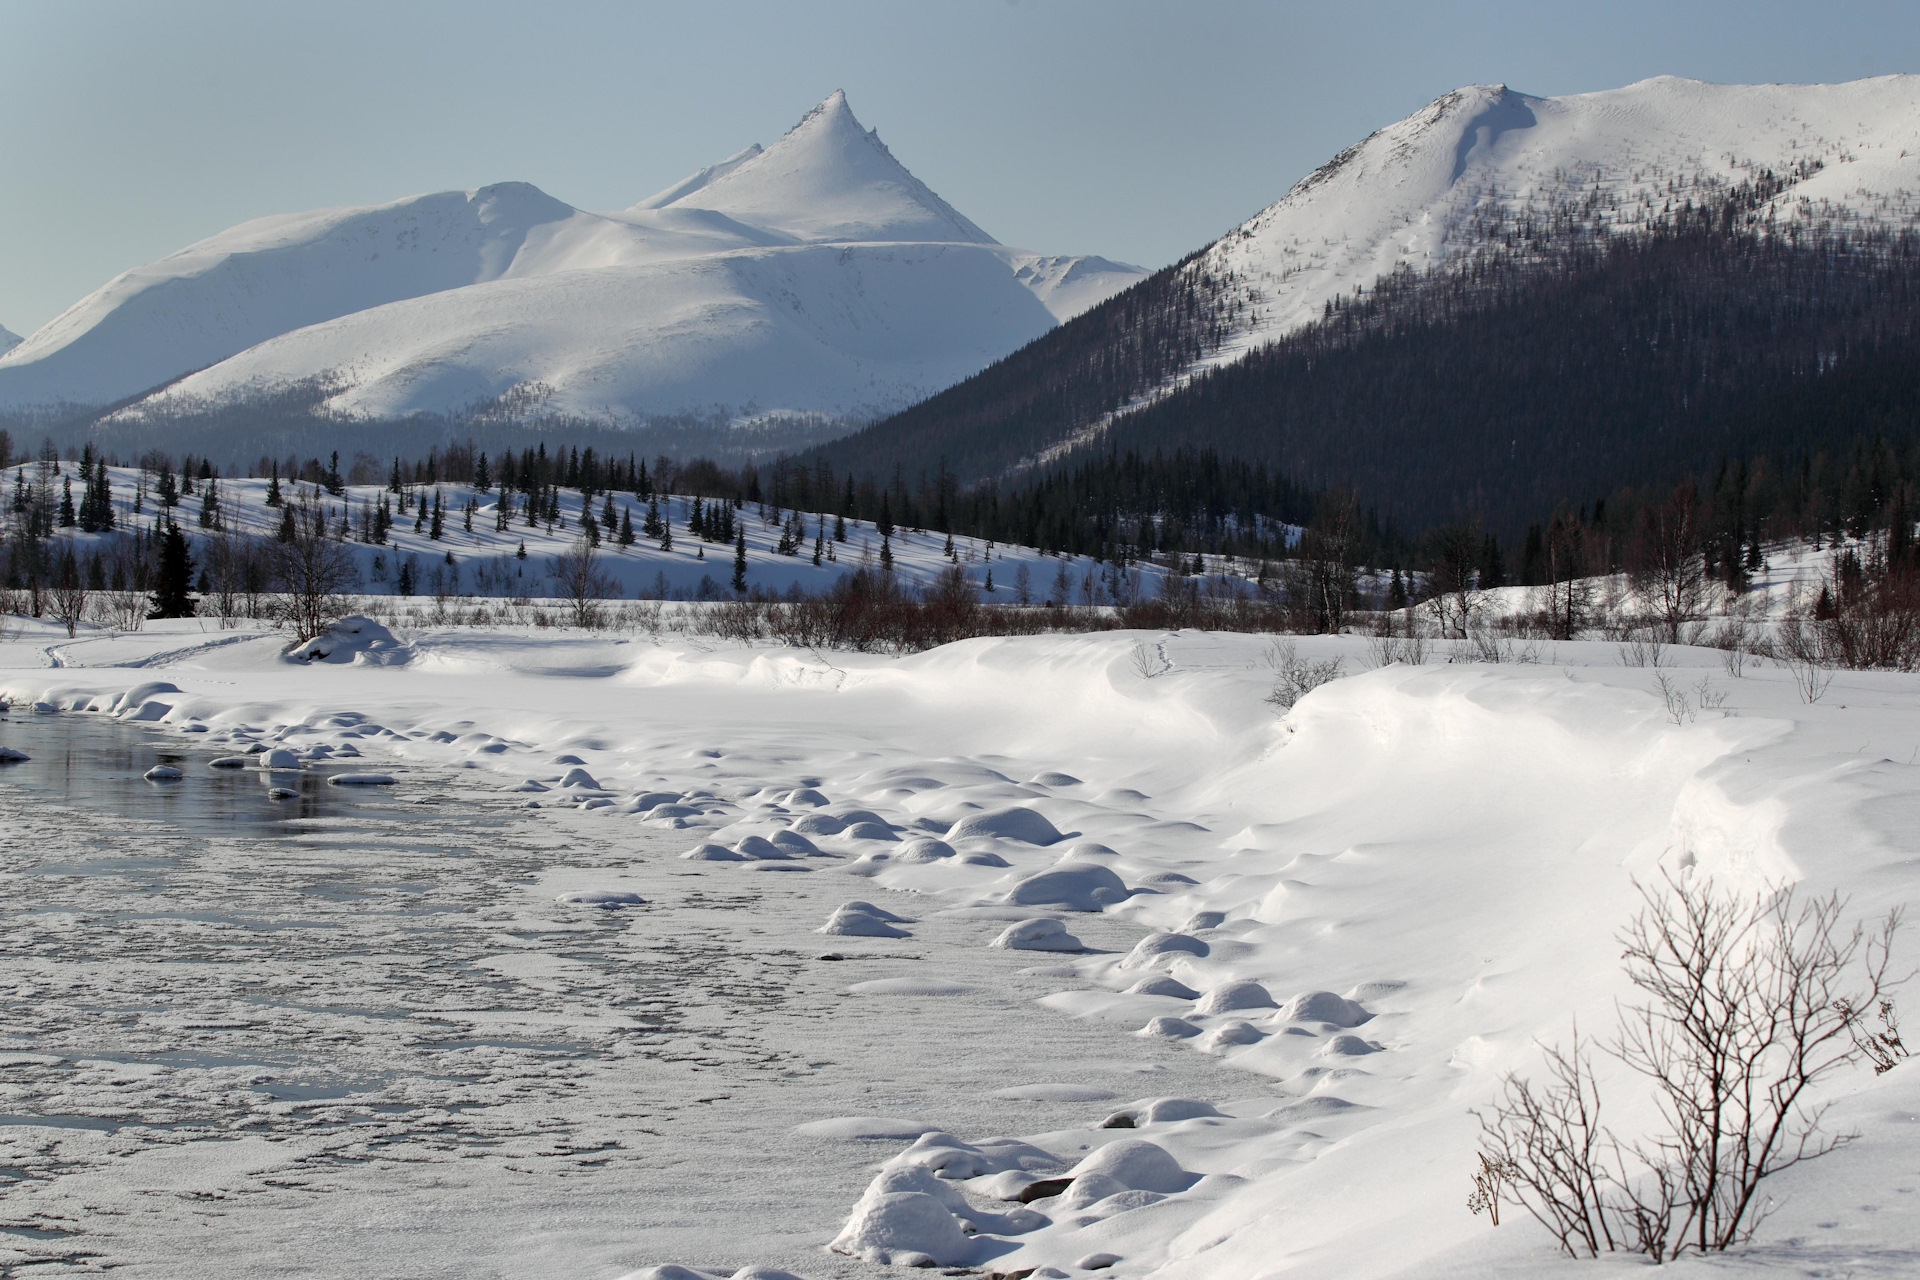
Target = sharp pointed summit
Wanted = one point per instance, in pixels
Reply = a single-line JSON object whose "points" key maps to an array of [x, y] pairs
{"points": [[813, 278], [829, 179]]}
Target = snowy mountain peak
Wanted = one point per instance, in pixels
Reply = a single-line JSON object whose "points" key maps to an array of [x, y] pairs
{"points": [[8, 339], [828, 179], [1423, 191], [816, 275], [696, 180]]}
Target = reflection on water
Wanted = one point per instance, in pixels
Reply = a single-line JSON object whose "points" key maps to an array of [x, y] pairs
{"points": [[87, 760]]}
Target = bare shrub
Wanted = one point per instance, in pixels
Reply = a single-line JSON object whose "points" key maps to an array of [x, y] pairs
{"points": [[1748, 1003], [1294, 676], [1404, 641], [1666, 562], [312, 570], [1800, 647], [579, 580], [1644, 649]]}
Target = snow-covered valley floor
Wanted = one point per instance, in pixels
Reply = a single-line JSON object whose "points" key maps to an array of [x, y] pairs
{"points": [[377, 1040]]}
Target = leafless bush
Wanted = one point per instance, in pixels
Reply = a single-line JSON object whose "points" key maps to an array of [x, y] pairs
{"points": [[1403, 642], [1147, 662], [1747, 1005], [68, 596], [1680, 708], [1800, 647], [1294, 676], [582, 583], [1644, 649], [313, 572]]}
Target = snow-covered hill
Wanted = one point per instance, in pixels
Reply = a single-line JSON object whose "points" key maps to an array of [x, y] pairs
{"points": [[816, 275], [1427, 189]]}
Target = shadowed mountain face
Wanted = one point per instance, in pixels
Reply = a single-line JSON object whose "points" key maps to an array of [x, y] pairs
{"points": [[1497, 302]]}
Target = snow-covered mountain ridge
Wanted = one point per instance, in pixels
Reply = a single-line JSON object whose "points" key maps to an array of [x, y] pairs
{"points": [[815, 275], [1429, 189]]}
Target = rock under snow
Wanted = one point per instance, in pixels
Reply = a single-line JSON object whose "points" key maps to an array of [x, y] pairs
{"points": [[1137, 1165], [1230, 997], [890, 1227], [1073, 886], [1323, 1006], [1037, 935], [1006, 824]]}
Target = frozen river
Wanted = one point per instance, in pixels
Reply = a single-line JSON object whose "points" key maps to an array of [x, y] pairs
{"points": [[248, 1037]]}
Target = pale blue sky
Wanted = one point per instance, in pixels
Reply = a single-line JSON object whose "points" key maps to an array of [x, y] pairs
{"points": [[1135, 130]]}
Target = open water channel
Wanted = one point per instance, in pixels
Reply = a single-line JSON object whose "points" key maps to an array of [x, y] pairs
{"points": [[354, 1033]]}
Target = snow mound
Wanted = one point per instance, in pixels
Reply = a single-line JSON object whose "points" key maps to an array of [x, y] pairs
{"points": [[163, 773], [12, 755], [760, 847], [1037, 935], [1082, 886], [606, 899], [1163, 986], [707, 851], [1229, 1034], [904, 1228], [1347, 1046], [1230, 997], [280, 758], [869, 831], [1323, 1006], [1172, 1028], [817, 824], [1137, 1165], [360, 780], [860, 1128], [794, 845], [1156, 946], [1161, 1111], [1006, 824], [923, 850], [228, 762], [863, 920]]}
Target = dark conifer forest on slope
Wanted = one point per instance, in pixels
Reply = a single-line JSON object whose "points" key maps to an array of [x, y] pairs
{"points": [[1549, 368]]}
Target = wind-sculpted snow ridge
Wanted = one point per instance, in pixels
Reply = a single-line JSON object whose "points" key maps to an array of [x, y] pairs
{"points": [[1304, 945], [816, 275]]}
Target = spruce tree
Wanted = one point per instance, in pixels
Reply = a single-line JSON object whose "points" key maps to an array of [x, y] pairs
{"points": [[210, 506], [288, 533], [173, 577], [626, 527], [165, 489], [886, 552], [482, 478], [67, 518], [439, 526], [273, 487], [740, 562], [839, 528]]}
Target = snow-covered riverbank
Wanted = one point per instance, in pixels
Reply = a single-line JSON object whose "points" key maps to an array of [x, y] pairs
{"points": [[1335, 930]]}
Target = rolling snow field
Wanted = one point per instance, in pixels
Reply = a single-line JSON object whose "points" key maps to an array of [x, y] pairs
{"points": [[670, 958]]}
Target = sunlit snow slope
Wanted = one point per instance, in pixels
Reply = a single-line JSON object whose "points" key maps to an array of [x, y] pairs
{"points": [[1421, 191], [814, 275]]}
